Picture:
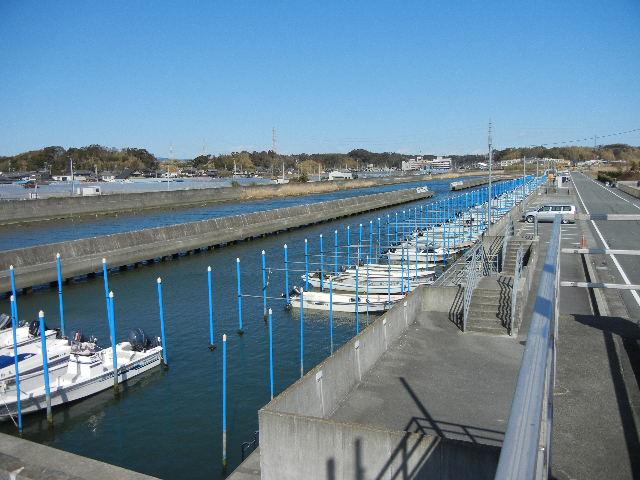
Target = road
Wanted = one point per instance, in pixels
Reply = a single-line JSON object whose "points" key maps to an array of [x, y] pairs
{"points": [[596, 198]]}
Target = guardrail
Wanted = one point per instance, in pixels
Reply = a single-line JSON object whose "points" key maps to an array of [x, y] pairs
{"points": [[526, 448], [478, 267], [509, 230]]}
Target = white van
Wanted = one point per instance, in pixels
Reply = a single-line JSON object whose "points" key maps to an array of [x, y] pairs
{"points": [[547, 213]]}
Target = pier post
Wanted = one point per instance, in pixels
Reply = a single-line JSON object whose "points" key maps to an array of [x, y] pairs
{"points": [[12, 274], [321, 264], [331, 313], [14, 325], [378, 247], [367, 292], [60, 299], [286, 277], [105, 279], [370, 240], [264, 286], [359, 243], [301, 332], [335, 252], [112, 328], [45, 366], [348, 245], [165, 355], [212, 344], [306, 264], [271, 352], [396, 239], [357, 301], [388, 280], [224, 402], [240, 325]]}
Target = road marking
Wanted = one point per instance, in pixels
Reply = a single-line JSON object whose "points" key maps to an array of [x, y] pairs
{"points": [[613, 193], [606, 245]]}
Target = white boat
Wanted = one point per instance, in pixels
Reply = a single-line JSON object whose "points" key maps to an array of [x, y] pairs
{"points": [[381, 284], [345, 303], [30, 363], [89, 371], [25, 335]]}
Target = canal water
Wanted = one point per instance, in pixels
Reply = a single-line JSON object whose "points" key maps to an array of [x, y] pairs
{"points": [[167, 423], [25, 235]]}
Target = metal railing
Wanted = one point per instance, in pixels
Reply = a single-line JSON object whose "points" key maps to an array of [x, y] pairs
{"points": [[509, 230], [477, 267], [514, 289], [526, 448]]}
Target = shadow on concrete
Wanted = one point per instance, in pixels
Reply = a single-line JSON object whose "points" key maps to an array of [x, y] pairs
{"points": [[456, 312], [630, 334]]}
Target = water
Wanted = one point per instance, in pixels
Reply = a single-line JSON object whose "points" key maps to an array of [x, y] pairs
{"points": [[25, 235], [168, 423]]}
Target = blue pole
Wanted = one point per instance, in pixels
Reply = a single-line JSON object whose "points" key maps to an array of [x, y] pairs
{"points": [[212, 344], [286, 276], [165, 356], [224, 401], [388, 232], [321, 264], [367, 292], [14, 325], [45, 366], [402, 269], [370, 240], [60, 299], [105, 278], [357, 303], [335, 252], [240, 330], [112, 328], [331, 313], [12, 274], [306, 264], [264, 286], [379, 250], [396, 240], [348, 245], [359, 243], [388, 280], [271, 351], [301, 333]]}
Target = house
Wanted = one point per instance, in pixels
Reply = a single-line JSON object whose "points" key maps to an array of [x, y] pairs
{"points": [[338, 175]]}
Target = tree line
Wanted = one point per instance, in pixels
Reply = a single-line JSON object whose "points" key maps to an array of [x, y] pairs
{"points": [[57, 159]]}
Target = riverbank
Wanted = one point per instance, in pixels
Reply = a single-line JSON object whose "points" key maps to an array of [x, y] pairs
{"points": [[24, 211]]}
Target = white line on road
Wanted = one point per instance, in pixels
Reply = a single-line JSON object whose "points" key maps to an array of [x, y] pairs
{"points": [[606, 245], [611, 192]]}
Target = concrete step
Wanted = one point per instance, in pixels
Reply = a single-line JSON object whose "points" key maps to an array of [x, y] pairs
{"points": [[479, 318], [500, 330]]}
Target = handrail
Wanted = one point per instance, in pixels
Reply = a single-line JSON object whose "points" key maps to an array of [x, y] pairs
{"points": [[525, 451], [514, 289]]}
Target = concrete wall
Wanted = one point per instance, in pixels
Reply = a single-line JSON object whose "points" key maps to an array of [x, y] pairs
{"points": [[299, 440], [630, 188], [36, 265], [24, 460], [16, 211], [471, 184]]}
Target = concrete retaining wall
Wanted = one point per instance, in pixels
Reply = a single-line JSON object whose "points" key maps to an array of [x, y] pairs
{"points": [[630, 188], [18, 211], [36, 265], [299, 440]]}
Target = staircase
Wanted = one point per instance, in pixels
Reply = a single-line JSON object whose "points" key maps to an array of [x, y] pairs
{"points": [[509, 261], [490, 309]]}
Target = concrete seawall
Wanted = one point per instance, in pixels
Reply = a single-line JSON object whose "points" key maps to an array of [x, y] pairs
{"points": [[36, 265], [22, 211], [457, 186]]}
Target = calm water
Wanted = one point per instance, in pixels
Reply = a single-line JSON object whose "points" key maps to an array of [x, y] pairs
{"points": [[168, 423], [17, 236]]}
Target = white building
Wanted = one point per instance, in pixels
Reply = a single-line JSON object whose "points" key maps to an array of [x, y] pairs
{"points": [[421, 163], [338, 175]]}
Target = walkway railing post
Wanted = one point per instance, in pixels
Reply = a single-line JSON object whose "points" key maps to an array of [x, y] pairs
{"points": [[114, 352], [12, 275], [331, 313], [224, 402], [306, 264], [271, 352], [301, 332], [335, 252], [348, 245], [357, 302], [264, 286], [321, 264]]}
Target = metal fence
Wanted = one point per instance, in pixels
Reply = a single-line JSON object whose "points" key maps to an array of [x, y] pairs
{"points": [[517, 274], [478, 266], [526, 449], [509, 230]]}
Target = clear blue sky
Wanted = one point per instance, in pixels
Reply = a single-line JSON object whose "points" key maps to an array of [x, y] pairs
{"points": [[404, 76]]}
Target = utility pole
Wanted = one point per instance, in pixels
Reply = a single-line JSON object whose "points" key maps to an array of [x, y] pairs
{"points": [[490, 167], [71, 171]]}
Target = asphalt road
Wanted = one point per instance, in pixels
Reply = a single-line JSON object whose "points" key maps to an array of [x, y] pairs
{"points": [[596, 198]]}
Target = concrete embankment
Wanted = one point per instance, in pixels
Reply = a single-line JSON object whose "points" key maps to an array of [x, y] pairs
{"points": [[36, 265], [464, 185], [21, 211], [22, 459]]}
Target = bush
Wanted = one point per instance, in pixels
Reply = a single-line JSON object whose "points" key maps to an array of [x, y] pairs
{"points": [[235, 183]]}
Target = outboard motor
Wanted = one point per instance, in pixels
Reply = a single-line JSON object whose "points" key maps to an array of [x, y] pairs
{"points": [[5, 320], [139, 340], [78, 336], [34, 328]]}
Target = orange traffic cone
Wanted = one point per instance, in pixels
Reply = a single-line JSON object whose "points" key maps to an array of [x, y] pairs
{"points": [[583, 242]]}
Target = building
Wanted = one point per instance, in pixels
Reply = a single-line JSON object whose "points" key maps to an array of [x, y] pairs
{"points": [[420, 163], [338, 175]]}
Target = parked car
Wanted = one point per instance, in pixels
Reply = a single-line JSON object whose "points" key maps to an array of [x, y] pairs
{"points": [[547, 213]]}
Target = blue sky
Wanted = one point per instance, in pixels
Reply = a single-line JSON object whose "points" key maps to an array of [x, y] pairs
{"points": [[405, 76]]}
